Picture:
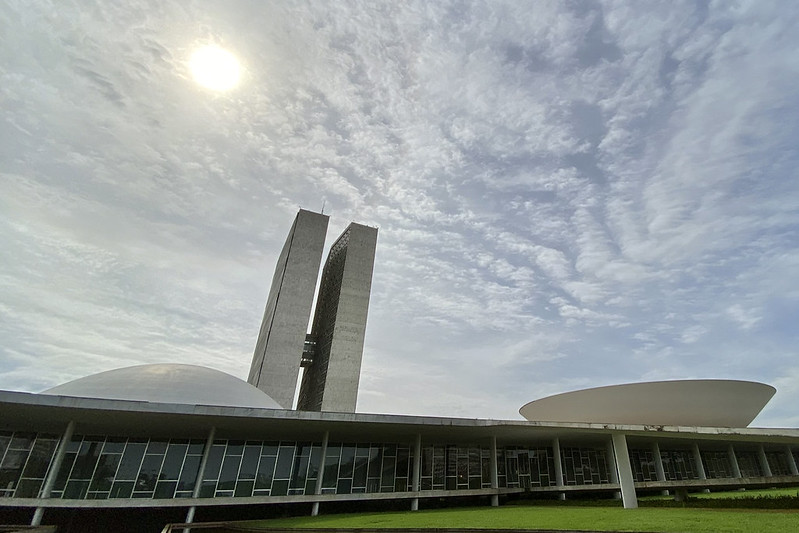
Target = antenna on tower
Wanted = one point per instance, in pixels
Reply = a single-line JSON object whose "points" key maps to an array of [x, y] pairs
{"points": [[324, 201]]}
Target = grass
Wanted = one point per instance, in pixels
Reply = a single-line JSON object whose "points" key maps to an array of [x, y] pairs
{"points": [[687, 520], [771, 510], [789, 492]]}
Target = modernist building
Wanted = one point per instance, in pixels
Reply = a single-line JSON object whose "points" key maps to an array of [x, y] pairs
{"points": [[332, 372], [332, 353], [175, 443], [278, 351]]}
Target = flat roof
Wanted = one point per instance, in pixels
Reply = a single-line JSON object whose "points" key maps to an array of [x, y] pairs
{"points": [[50, 413]]}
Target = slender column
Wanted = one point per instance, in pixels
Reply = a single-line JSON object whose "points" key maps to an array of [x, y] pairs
{"points": [[417, 470], [736, 471], [494, 472], [628, 496], [558, 466], [659, 470], [55, 466], [791, 461], [700, 469], [761, 454], [318, 488], [613, 470], [209, 442]]}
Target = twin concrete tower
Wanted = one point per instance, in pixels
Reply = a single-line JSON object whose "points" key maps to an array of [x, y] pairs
{"points": [[331, 354]]}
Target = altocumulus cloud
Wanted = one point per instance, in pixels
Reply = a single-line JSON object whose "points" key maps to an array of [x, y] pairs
{"points": [[568, 194]]}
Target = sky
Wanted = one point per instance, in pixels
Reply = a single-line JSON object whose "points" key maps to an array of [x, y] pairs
{"points": [[569, 194]]}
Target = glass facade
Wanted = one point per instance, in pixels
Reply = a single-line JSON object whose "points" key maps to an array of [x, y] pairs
{"points": [[24, 461], [358, 468], [584, 466], [525, 467], [106, 467], [717, 464], [98, 467], [778, 463], [748, 463], [455, 468], [254, 468], [434, 468], [678, 464], [643, 465]]}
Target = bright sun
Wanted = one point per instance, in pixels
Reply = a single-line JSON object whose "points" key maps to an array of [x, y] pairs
{"points": [[214, 68]]}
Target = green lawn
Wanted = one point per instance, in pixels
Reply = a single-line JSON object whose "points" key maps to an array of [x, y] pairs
{"points": [[682, 520], [736, 494]]}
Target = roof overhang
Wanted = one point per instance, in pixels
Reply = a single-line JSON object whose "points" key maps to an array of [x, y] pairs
{"points": [[47, 413]]}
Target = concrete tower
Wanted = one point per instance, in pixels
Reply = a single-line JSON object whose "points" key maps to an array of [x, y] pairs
{"points": [[332, 373], [276, 362]]}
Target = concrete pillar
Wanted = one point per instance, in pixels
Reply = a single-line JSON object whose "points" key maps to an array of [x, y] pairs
{"points": [[613, 469], [200, 473], [55, 466], [761, 454], [700, 469], [659, 470], [417, 470], [625, 471], [494, 472], [736, 471], [318, 488], [791, 461], [558, 466]]}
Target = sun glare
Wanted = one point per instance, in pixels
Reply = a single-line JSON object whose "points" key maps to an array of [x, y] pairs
{"points": [[214, 68]]}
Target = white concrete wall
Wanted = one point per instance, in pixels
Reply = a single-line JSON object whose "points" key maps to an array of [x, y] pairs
{"points": [[276, 362], [346, 351]]}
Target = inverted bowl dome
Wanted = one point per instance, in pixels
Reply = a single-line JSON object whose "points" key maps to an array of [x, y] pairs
{"points": [[695, 402], [168, 383]]}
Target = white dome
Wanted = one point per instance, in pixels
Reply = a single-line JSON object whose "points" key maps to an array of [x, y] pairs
{"points": [[687, 402], [168, 383]]}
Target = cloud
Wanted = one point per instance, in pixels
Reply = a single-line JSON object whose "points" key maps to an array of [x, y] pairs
{"points": [[567, 195]]}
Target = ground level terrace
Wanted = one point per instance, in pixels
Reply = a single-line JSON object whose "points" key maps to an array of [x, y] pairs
{"points": [[58, 452]]}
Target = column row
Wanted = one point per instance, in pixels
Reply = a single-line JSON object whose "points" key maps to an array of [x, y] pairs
{"points": [[711, 461], [107, 467]]}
